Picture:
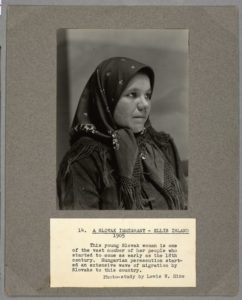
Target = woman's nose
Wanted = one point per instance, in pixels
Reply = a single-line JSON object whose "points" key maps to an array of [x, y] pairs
{"points": [[143, 103]]}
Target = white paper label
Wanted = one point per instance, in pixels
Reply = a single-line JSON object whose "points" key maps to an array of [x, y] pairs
{"points": [[123, 252]]}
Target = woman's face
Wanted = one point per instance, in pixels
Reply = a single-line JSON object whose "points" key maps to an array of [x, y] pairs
{"points": [[133, 107]]}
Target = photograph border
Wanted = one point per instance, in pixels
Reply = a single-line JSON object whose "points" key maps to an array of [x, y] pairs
{"points": [[166, 51]]}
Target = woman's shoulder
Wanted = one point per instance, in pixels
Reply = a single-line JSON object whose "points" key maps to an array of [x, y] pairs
{"points": [[165, 143], [161, 138], [86, 147], [86, 152], [87, 161]]}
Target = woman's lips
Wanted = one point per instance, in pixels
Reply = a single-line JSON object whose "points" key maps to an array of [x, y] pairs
{"points": [[139, 117]]}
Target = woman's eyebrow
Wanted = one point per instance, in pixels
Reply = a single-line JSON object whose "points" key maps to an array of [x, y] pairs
{"points": [[137, 90]]}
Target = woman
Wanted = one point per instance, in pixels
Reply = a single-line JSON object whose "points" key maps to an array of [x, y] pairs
{"points": [[117, 160]]}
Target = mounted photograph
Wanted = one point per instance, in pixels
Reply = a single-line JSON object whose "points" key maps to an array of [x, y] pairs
{"points": [[122, 119]]}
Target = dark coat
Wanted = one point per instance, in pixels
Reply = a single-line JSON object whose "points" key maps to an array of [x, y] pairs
{"points": [[88, 178]]}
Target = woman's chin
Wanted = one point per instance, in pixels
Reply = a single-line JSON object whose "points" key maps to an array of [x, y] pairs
{"points": [[137, 129]]}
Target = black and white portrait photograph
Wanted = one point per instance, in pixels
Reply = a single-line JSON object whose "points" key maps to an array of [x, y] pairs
{"points": [[122, 119]]}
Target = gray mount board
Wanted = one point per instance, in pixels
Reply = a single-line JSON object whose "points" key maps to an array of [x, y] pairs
{"points": [[30, 170]]}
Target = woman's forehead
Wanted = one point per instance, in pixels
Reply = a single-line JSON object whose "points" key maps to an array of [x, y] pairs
{"points": [[139, 82]]}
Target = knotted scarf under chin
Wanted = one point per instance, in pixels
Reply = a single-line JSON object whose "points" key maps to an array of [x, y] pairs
{"points": [[129, 169]]}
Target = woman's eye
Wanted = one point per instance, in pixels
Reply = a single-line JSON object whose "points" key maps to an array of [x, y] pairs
{"points": [[132, 95]]}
